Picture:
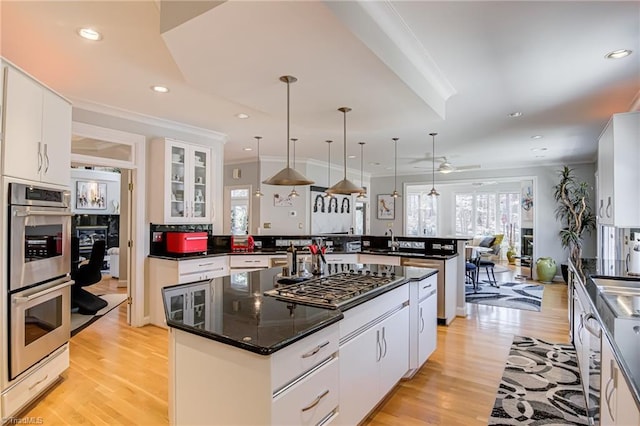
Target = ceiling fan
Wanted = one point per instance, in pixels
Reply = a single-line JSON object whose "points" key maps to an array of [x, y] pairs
{"points": [[445, 166]]}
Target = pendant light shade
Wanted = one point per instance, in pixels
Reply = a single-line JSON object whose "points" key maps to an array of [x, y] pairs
{"points": [[288, 175], [363, 194], [345, 186], [433, 192], [328, 194], [257, 192], [395, 193]]}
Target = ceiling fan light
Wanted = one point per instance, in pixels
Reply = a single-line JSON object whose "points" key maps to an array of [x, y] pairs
{"points": [[288, 176], [445, 167]]}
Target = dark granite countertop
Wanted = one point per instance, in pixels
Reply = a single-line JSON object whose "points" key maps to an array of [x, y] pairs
{"points": [[590, 270], [188, 256], [242, 316]]}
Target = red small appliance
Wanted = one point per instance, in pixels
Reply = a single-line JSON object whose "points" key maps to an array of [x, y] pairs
{"points": [[242, 243], [186, 242]]}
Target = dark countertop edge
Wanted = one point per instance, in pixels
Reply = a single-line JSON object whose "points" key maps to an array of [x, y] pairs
{"points": [[304, 253], [261, 350], [619, 359]]}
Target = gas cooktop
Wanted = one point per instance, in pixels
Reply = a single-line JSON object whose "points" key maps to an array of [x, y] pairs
{"points": [[333, 291]]}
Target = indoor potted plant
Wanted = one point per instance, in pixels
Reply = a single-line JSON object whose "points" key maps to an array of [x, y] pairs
{"points": [[575, 212]]}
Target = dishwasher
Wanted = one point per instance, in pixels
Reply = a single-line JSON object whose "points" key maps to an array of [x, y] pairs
{"points": [[446, 300]]}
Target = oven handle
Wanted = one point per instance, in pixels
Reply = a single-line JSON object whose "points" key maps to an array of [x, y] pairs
{"points": [[41, 213], [25, 299]]}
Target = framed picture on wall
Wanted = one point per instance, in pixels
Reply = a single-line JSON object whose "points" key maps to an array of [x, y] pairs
{"points": [[91, 195], [386, 207]]}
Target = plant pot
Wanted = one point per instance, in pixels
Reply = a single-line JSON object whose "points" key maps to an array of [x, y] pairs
{"points": [[546, 268], [511, 256]]}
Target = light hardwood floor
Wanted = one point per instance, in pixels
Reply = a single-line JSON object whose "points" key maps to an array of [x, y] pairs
{"points": [[118, 374]]}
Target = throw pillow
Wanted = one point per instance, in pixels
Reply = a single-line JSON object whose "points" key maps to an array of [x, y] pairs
{"points": [[486, 242], [498, 240]]}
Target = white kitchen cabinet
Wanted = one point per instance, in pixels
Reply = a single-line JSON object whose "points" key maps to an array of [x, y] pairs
{"points": [[427, 327], [37, 132], [188, 305], [580, 335], [248, 261], [181, 187], [423, 322], [374, 352], [210, 381], [379, 259], [618, 201], [617, 406], [166, 272], [341, 257]]}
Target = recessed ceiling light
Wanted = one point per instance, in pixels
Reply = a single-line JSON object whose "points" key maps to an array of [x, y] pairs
{"points": [[351, 156], [388, 168], [618, 54], [539, 156], [89, 34], [242, 116], [515, 114], [538, 149], [374, 164], [536, 137], [247, 149], [160, 89]]}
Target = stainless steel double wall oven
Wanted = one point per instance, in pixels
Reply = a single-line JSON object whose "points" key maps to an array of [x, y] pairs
{"points": [[38, 270]]}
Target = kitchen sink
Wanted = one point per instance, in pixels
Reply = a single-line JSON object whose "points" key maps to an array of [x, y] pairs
{"points": [[611, 286]]}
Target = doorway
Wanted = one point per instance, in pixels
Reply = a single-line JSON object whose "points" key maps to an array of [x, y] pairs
{"points": [[100, 147]]}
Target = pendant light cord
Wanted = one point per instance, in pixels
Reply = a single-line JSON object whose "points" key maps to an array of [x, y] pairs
{"points": [[258, 155], [288, 119], [361, 164], [344, 138]]}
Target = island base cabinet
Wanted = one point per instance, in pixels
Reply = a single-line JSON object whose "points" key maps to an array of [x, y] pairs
{"points": [[312, 401], [371, 364], [427, 328]]}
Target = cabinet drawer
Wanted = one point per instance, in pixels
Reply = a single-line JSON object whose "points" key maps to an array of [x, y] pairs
{"points": [[341, 258], [18, 396], [427, 285], [301, 356], [244, 261], [380, 259], [309, 401], [202, 269]]}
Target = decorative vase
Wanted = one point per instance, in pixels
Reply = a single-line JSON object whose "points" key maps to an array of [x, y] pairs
{"points": [[546, 269], [511, 256]]}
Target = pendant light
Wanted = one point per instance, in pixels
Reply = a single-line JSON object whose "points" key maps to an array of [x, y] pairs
{"points": [[328, 194], [395, 193], [288, 176], [433, 192], [257, 192], [362, 195], [344, 186], [294, 193]]}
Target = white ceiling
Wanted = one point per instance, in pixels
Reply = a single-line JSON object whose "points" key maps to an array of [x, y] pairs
{"points": [[405, 68]]}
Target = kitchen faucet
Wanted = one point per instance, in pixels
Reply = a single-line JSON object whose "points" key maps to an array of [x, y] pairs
{"points": [[394, 244]]}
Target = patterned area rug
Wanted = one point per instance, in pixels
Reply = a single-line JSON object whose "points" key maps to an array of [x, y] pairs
{"points": [[540, 386], [508, 295]]}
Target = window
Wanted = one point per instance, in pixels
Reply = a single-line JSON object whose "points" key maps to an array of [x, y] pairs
{"points": [[421, 212], [240, 211], [488, 213]]}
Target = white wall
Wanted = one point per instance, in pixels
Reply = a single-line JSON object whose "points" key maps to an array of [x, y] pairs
{"points": [[294, 219], [546, 228]]}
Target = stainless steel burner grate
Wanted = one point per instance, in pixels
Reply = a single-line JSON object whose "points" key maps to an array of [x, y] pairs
{"points": [[332, 291]]}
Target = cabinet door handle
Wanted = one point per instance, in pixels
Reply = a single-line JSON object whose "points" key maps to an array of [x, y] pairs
{"points": [[38, 382], [601, 208], [378, 346], [613, 380], [384, 342], [46, 158], [316, 401], [421, 321], [39, 156], [315, 350], [609, 206], [590, 329], [427, 286]]}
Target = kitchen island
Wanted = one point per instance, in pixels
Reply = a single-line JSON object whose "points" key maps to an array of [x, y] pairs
{"points": [[238, 356]]}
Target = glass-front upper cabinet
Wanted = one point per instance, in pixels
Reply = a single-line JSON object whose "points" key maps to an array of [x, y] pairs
{"points": [[183, 186]]}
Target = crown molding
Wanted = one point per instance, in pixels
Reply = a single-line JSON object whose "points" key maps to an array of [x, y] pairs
{"points": [[83, 104]]}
